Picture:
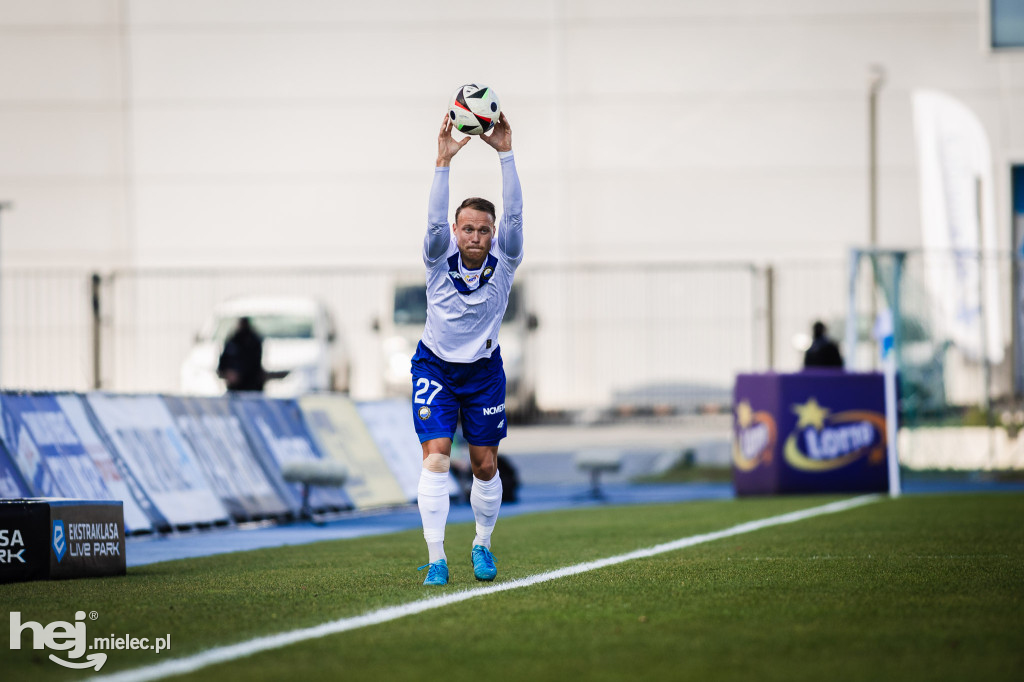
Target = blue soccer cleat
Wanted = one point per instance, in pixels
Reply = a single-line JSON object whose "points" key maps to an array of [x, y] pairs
{"points": [[437, 573], [483, 563]]}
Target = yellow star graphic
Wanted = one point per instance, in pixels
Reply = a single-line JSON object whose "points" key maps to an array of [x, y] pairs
{"points": [[811, 414], [744, 414]]}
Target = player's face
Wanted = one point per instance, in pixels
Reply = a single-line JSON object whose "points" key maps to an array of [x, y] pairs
{"points": [[473, 233]]}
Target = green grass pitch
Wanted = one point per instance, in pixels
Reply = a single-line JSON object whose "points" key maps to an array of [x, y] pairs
{"points": [[919, 588]]}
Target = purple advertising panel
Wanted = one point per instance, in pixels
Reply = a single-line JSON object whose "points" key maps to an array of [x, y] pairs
{"points": [[816, 431]]}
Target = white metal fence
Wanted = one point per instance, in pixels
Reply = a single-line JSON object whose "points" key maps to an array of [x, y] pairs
{"points": [[664, 337]]}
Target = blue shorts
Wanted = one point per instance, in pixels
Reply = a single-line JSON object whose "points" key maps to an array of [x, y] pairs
{"points": [[443, 391]]}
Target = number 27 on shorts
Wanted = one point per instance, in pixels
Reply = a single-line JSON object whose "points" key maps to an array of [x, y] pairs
{"points": [[422, 387]]}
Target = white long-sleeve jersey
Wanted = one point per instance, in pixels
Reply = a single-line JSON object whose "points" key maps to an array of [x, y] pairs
{"points": [[465, 307]]}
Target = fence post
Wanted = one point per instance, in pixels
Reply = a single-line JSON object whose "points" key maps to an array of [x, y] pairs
{"points": [[97, 376], [769, 308], [1016, 329], [983, 311]]}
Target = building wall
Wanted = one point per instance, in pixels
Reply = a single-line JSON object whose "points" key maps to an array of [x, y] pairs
{"points": [[284, 132], [63, 134]]}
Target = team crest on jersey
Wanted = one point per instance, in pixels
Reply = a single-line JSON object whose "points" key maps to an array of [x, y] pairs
{"points": [[460, 282], [424, 413]]}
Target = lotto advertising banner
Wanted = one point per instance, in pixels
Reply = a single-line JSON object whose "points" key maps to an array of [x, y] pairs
{"points": [[814, 431], [60, 538], [145, 437], [334, 422], [217, 437], [278, 434]]}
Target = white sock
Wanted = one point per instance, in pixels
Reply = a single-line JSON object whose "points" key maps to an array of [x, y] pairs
{"points": [[485, 498], [432, 499]]}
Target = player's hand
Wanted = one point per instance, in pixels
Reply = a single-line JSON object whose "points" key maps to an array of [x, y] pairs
{"points": [[447, 146], [500, 136]]}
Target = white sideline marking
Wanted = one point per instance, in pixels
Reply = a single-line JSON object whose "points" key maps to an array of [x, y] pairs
{"points": [[242, 649]]}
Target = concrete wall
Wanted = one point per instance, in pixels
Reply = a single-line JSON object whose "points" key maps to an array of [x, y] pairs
{"points": [[296, 132]]}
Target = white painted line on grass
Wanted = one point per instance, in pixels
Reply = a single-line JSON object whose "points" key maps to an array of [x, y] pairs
{"points": [[231, 652]]}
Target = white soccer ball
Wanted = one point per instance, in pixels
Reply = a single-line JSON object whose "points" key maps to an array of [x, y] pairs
{"points": [[474, 109]]}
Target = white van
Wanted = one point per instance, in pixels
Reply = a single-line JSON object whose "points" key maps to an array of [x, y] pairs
{"points": [[401, 330], [302, 350]]}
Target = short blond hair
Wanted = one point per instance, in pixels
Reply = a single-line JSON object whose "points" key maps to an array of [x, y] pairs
{"points": [[478, 204]]}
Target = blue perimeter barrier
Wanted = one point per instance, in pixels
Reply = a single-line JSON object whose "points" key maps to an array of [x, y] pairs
{"points": [[181, 462]]}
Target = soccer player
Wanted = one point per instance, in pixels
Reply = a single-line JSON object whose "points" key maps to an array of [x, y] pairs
{"points": [[457, 369]]}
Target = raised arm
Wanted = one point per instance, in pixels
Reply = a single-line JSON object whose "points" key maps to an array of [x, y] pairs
{"points": [[435, 244], [510, 232]]}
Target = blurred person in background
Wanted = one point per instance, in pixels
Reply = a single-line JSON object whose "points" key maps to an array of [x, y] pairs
{"points": [[823, 352], [241, 362]]}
